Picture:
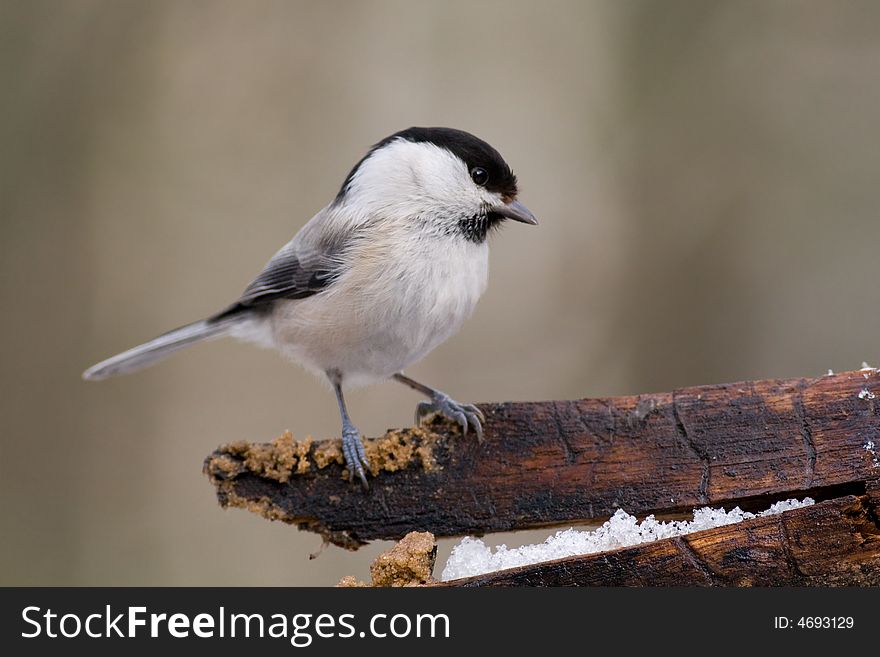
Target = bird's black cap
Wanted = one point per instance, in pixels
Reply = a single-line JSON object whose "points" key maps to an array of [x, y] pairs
{"points": [[473, 151]]}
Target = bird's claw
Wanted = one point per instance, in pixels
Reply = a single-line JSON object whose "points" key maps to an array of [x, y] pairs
{"points": [[465, 415], [355, 457]]}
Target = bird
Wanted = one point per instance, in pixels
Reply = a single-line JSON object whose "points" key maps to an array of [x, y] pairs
{"points": [[386, 272]]}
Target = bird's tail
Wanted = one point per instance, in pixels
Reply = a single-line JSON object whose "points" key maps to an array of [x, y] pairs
{"points": [[166, 344]]}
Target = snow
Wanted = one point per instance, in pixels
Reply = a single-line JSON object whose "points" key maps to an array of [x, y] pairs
{"points": [[875, 459], [473, 557]]}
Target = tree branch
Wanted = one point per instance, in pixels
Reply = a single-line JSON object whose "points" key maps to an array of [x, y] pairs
{"points": [[561, 462]]}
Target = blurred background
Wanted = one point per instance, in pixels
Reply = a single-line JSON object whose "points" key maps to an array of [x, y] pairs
{"points": [[706, 175]]}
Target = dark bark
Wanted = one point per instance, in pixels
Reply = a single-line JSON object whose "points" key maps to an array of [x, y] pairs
{"points": [[560, 462]]}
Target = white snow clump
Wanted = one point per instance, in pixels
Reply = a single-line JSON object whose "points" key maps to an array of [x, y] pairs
{"points": [[473, 557]]}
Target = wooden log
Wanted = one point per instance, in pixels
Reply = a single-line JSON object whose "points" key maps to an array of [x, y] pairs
{"points": [[832, 543], [561, 462]]}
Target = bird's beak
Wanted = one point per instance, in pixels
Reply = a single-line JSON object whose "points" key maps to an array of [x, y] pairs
{"points": [[516, 211]]}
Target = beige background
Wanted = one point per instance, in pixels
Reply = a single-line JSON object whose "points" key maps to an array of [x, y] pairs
{"points": [[706, 175]]}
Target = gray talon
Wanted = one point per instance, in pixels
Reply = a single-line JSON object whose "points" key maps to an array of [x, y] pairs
{"points": [[470, 408], [465, 415], [462, 420], [355, 457], [478, 427], [352, 445]]}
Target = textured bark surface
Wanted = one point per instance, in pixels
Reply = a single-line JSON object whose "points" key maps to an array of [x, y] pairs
{"points": [[560, 462], [832, 543]]}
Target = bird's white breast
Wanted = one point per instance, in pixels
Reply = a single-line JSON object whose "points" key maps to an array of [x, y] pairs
{"points": [[405, 292]]}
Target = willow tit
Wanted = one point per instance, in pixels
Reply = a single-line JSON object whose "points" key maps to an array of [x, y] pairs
{"points": [[378, 278]]}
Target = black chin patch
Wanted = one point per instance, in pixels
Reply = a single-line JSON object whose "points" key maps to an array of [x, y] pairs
{"points": [[476, 228], [471, 150]]}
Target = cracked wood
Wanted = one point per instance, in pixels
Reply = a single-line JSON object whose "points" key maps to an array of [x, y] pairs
{"points": [[781, 550], [560, 462]]}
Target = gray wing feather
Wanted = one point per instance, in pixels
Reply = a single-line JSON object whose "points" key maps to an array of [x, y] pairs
{"points": [[290, 276], [305, 266]]}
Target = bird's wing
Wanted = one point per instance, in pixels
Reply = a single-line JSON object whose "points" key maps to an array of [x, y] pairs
{"points": [[291, 275], [305, 266]]}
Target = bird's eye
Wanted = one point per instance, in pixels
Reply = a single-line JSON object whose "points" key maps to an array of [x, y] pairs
{"points": [[480, 176]]}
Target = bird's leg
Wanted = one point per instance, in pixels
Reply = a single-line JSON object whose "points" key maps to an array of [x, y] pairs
{"points": [[352, 447], [464, 414]]}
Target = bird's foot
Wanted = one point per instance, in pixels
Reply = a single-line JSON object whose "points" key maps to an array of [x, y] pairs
{"points": [[353, 451], [465, 415]]}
